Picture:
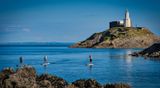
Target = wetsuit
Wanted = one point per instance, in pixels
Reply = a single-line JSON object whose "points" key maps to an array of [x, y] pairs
{"points": [[21, 60], [90, 59]]}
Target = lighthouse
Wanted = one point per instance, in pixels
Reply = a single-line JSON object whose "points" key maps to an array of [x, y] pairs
{"points": [[127, 20]]}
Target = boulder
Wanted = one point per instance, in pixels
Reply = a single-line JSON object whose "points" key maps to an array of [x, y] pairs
{"points": [[89, 83], [56, 82], [44, 84], [4, 74], [22, 78], [152, 52], [120, 85]]}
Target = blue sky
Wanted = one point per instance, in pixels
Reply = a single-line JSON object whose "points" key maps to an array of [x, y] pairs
{"points": [[70, 20]]}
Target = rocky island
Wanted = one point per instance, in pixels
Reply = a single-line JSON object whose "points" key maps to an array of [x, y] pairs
{"points": [[151, 52], [121, 34], [26, 77], [120, 37]]}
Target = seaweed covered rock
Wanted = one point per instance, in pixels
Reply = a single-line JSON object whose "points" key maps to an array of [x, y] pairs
{"points": [[54, 81], [44, 84], [152, 51], [4, 74], [120, 85], [22, 78], [89, 83]]}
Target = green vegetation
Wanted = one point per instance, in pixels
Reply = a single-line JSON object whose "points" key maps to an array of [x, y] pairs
{"points": [[107, 38], [121, 32]]}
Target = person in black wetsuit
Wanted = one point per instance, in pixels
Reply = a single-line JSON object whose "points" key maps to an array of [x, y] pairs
{"points": [[90, 58], [21, 61]]}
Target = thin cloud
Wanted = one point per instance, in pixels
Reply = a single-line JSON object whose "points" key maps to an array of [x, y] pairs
{"points": [[26, 30], [15, 28]]}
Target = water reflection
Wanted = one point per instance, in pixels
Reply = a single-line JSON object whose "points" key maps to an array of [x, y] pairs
{"points": [[90, 68], [153, 59], [45, 70], [119, 55], [128, 57]]}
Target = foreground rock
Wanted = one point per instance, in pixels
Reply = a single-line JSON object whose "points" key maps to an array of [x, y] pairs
{"points": [[90, 83], [50, 81], [26, 77], [120, 85], [152, 51], [120, 37], [22, 78]]}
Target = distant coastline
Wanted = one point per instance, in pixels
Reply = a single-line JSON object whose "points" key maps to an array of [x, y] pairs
{"points": [[36, 44]]}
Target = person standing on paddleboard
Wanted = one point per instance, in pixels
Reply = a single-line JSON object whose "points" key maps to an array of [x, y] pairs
{"points": [[90, 59]]}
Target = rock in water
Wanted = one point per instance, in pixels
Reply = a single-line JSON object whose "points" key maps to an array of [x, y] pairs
{"points": [[22, 78], [120, 37], [120, 85], [54, 81], [152, 51], [90, 83], [44, 84]]}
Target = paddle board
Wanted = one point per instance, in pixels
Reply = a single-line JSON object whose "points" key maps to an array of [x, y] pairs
{"points": [[44, 64], [90, 64]]}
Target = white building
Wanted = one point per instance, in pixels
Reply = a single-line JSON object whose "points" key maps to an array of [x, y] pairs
{"points": [[123, 23]]}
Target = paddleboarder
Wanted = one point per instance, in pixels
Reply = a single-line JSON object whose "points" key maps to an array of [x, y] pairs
{"points": [[90, 59]]}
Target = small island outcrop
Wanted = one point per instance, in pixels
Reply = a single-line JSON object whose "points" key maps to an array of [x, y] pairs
{"points": [[120, 37], [26, 77], [150, 52]]}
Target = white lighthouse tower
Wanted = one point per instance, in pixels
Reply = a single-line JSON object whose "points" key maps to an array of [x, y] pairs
{"points": [[127, 20]]}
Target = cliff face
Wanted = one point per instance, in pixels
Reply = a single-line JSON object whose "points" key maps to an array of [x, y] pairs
{"points": [[119, 37]]}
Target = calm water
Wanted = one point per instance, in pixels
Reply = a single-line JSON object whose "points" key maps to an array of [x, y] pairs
{"points": [[110, 65]]}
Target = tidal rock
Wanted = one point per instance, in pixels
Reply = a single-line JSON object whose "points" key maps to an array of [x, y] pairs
{"points": [[151, 52], [22, 78], [90, 83], [71, 86], [44, 84], [56, 82], [135, 54], [120, 85], [4, 74]]}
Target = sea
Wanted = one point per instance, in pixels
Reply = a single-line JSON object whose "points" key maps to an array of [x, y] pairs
{"points": [[110, 65]]}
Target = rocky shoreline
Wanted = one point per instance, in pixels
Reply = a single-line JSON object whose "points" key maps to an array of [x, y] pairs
{"points": [[26, 77], [150, 52]]}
